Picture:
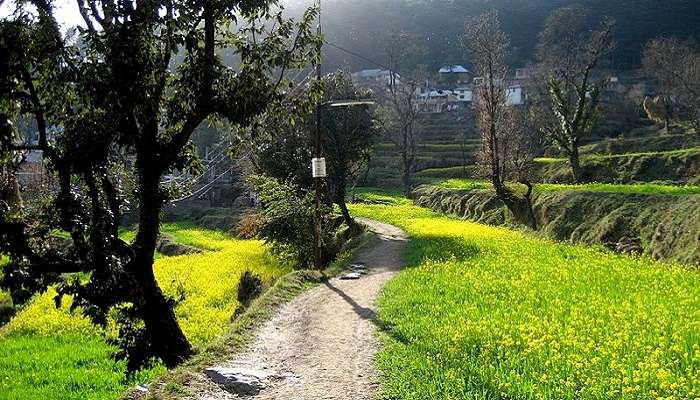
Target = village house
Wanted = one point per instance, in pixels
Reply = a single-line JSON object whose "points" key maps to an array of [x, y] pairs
{"points": [[374, 76], [454, 75]]}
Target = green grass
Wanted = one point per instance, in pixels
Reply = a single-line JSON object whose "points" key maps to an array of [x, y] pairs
{"points": [[206, 283], [633, 188], [62, 367], [679, 152], [488, 313], [449, 172]]}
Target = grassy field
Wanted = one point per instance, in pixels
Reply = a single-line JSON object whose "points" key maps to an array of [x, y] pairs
{"points": [[633, 188], [488, 313], [50, 353]]}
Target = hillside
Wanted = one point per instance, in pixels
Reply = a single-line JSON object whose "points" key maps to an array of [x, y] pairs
{"points": [[362, 25]]}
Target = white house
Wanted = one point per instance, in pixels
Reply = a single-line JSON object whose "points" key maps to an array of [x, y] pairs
{"points": [[464, 94], [514, 95], [453, 69], [381, 76], [454, 74]]}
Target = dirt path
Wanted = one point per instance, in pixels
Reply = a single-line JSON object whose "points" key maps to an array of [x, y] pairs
{"points": [[321, 345]]}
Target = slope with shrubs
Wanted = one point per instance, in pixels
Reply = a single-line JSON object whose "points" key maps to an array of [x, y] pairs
{"points": [[488, 313], [52, 353], [654, 143], [680, 166], [666, 219]]}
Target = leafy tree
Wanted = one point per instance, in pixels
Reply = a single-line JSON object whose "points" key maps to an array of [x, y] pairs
{"points": [[114, 98], [507, 152], [286, 219], [347, 133], [569, 53]]}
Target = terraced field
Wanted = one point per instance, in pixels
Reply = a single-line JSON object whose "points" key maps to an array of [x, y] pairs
{"points": [[442, 142], [638, 188], [645, 155]]}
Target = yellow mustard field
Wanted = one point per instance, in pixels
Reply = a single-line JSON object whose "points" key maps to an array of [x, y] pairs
{"points": [[489, 313], [205, 283]]}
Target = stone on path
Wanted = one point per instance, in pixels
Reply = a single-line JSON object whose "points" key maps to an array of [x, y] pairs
{"points": [[351, 275], [237, 380]]}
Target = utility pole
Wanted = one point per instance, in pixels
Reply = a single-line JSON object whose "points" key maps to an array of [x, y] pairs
{"points": [[318, 166]]}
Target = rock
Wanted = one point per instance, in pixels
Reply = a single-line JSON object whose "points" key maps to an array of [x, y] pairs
{"points": [[143, 388], [629, 246], [237, 380], [168, 247], [359, 268], [351, 275]]}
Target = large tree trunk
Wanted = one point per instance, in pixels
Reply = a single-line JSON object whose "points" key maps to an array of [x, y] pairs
{"points": [[575, 162], [165, 335], [340, 201], [520, 207]]}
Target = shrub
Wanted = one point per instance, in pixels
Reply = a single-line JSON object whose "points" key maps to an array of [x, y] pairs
{"points": [[286, 220], [249, 287], [248, 226]]}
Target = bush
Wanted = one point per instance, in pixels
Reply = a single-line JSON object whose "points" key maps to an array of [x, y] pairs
{"points": [[286, 220], [248, 226], [250, 286]]}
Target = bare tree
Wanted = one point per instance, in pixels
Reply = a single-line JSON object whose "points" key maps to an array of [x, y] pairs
{"points": [[400, 117], [675, 65], [569, 53], [505, 153]]}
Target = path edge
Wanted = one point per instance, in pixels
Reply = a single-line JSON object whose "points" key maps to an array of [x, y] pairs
{"points": [[242, 331]]}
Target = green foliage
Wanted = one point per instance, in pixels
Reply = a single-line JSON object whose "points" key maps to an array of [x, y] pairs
{"points": [[489, 313], [128, 88], [287, 219], [70, 366], [638, 188], [347, 134]]}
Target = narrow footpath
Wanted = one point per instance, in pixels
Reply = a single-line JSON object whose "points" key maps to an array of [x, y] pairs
{"points": [[321, 345]]}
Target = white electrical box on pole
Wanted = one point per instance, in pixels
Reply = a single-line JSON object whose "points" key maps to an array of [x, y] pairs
{"points": [[318, 167]]}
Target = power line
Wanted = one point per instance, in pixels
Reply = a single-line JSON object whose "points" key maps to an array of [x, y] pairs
{"points": [[204, 188], [360, 56], [376, 63]]}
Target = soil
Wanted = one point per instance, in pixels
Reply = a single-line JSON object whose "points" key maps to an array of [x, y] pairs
{"points": [[321, 345]]}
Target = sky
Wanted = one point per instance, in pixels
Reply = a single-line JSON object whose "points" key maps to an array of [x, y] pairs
{"points": [[68, 15], [67, 12]]}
